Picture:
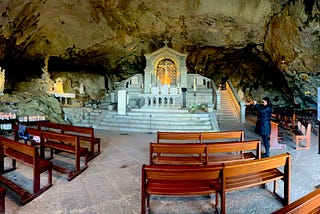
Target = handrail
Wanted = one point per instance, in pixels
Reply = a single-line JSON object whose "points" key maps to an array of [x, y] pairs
{"points": [[216, 96], [237, 103]]}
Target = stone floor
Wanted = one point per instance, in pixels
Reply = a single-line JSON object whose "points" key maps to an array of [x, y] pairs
{"points": [[111, 183]]}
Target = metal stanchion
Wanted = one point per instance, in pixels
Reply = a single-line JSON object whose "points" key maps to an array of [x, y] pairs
{"points": [[150, 125]]}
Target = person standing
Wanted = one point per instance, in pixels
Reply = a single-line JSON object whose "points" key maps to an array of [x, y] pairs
{"points": [[263, 126]]}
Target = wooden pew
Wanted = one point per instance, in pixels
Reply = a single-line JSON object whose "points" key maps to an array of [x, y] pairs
{"points": [[70, 144], [222, 152], [177, 153], [199, 137], [2, 200], [203, 154], [86, 135], [49, 126], [235, 135], [274, 137], [308, 204], [183, 137], [302, 133], [178, 181], [240, 175], [28, 155]]}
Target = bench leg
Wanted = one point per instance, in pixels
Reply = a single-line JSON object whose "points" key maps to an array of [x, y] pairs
{"points": [[2, 200], [300, 139], [50, 175], [275, 188], [143, 203], [148, 202], [36, 182]]}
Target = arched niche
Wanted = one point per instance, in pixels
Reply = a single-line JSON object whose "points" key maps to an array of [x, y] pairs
{"points": [[165, 66]]}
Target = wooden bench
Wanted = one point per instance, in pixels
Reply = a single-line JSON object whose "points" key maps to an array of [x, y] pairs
{"points": [[2, 200], [183, 137], [234, 135], [28, 155], [66, 143], [222, 152], [49, 126], [178, 181], [199, 137], [240, 175], [274, 136], [203, 154], [308, 204], [302, 133], [86, 135], [177, 154]]}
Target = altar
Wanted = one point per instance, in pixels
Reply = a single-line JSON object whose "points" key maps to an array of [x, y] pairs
{"points": [[166, 83]]}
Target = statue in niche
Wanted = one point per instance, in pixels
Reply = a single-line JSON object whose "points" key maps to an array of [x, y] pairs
{"points": [[58, 86], [2, 79]]}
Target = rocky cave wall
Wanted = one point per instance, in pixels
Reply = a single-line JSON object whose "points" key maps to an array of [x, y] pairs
{"points": [[264, 47]]}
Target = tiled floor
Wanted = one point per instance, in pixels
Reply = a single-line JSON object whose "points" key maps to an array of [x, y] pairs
{"points": [[112, 182]]}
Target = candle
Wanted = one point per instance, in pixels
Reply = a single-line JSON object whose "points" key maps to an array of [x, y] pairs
{"points": [[194, 84]]}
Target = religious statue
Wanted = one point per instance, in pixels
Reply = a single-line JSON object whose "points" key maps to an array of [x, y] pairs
{"points": [[58, 85], [47, 83], [2, 80], [81, 89]]}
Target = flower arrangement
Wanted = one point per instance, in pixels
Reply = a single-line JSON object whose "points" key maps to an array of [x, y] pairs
{"points": [[193, 108]]}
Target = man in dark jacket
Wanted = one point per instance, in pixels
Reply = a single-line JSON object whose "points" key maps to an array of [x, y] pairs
{"points": [[263, 126]]}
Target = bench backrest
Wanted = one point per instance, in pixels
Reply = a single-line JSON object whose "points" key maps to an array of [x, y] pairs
{"points": [[49, 126], [309, 203], [180, 149], [180, 173], [237, 135], [193, 137], [60, 138], [235, 146], [246, 167], [78, 130], [31, 151]]}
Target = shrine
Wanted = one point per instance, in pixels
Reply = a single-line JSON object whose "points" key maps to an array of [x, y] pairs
{"points": [[166, 83]]}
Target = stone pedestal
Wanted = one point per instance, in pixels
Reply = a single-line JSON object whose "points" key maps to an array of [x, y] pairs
{"points": [[122, 102]]}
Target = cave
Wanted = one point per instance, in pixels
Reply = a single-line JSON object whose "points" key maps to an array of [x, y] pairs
{"points": [[249, 43], [71, 61]]}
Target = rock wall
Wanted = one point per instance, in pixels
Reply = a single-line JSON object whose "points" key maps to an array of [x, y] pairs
{"points": [[292, 40], [249, 41]]}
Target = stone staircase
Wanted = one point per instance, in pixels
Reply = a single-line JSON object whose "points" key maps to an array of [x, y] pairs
{"points": [[139, 121], [227, 112]]}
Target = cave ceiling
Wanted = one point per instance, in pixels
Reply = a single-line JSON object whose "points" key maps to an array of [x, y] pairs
{"points": [[264, 47]]}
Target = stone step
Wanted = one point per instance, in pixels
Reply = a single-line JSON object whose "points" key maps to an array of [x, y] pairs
{"points": [[155, 126], [153, 129], [154, 122], [139, 121]]}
